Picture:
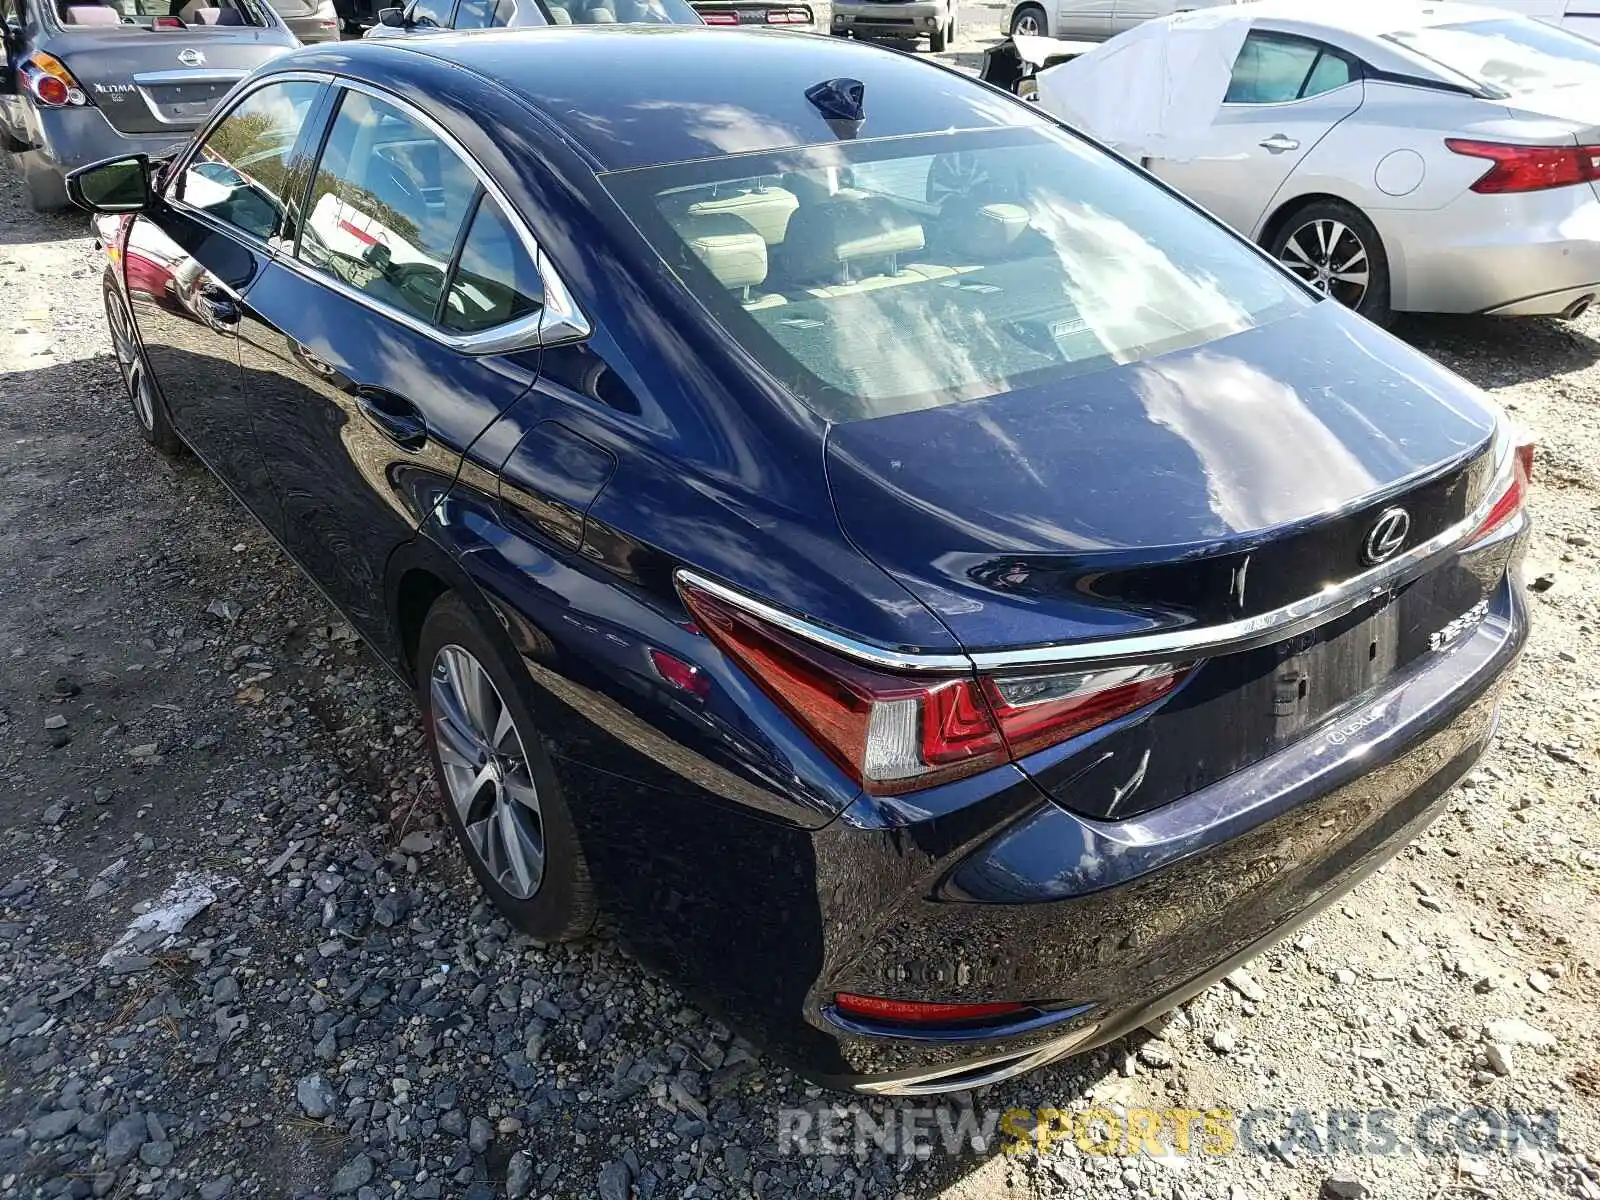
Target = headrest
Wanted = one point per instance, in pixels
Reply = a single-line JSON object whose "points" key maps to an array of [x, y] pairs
{"points": [[559, 15], [823, 238], [216, 16], [91, 14], [767, 210], [729, 248], [599, 16], [194, 13], [981, 231]]}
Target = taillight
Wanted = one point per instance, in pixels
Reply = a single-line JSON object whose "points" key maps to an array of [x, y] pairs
{"points": [[50, 83], [720, 18], [1529, 168], [894, 732], [787, 16], [918, 1012], [1514, 497]]}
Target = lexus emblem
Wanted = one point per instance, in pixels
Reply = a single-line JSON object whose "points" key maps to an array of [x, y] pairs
{"points": [[190, 57], [1387, 536]]}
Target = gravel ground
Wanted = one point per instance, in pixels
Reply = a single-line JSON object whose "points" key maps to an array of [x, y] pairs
{"points": [[239, 957]]}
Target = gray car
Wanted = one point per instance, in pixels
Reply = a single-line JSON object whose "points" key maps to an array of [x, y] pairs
{"points": [[86, 81], [309, 20], [897, 20]]}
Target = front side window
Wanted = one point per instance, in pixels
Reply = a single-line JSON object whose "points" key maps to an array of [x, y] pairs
{"points": [[878, 276], [495, 280], [1510, 55], [1276, 70], [475, 14], [426, 14], [388, 202], [240, 174]]}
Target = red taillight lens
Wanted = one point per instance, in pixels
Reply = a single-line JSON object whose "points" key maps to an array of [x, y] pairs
{"points": [[1529, 168], [918, 1012], [1036, 711], [681, 675], [717, 18], [896, 733], [50, 83], [168, 23], [786, 16], [1513, 498]]}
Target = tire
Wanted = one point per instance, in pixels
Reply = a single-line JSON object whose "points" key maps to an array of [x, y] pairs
{"points": [[502, 801], [1353, 269], [1026, 14], [144, 396], [938, 39]]}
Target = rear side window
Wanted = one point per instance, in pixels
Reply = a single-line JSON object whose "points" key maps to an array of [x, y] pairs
{"points": [[1277, 70], [240, 174], [388, 203], [428, 15], [94, 13], [495, 280], [1511, 55]]}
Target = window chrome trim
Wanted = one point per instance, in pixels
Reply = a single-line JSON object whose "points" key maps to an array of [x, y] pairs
{"points": [[1329, 604], [522, 333]]}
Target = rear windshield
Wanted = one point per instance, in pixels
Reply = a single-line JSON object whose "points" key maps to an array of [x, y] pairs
{"points": [[76, 14], [875, 277], [1511, 55], [630, 12]]}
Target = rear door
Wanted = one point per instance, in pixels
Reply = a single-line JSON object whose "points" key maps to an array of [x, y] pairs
{"points": [[1284, 96], [401, 326]]}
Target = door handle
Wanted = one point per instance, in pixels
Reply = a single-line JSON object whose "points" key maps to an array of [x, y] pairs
{"points": [[217, 309], [395, 417], [1280, 143]]}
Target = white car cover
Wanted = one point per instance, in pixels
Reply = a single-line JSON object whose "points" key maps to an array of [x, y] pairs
{"points": [[1153, 91]]}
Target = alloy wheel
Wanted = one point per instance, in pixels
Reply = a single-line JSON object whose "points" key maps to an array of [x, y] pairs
{"points": [[486, 772], [1330, 256], [130, 362], [1028, 25]]}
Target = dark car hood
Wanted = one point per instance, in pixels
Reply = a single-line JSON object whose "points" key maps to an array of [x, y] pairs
{"points": [[1202, 485]]}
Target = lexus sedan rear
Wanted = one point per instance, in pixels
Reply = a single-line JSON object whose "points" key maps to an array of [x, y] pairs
{"points": [[944, 596]]}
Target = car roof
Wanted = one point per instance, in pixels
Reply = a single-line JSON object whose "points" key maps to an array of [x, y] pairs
{"points": [[1369, 18], [633, 96]]}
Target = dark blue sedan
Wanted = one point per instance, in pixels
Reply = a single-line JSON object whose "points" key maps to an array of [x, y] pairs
{"points": [[943, 596]]}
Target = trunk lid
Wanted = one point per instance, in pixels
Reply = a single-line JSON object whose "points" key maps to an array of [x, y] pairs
{"points": [[163, 80], [1190, 490]]}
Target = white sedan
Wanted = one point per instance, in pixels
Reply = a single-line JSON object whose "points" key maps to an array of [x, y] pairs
{"points": [[1399, 156]]}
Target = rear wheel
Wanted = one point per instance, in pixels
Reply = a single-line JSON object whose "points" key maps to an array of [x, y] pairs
{"points": [[501, 795], [938, 39], [1332, 246], [149, 411], [1029, 19]]}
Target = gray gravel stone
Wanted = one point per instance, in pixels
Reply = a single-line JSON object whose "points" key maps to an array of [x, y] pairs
{"points": [[316, 1096], [519, 1175], [615, 1181], [55, 1125], [355, 1173], [124, 1138], [479, 1134]]}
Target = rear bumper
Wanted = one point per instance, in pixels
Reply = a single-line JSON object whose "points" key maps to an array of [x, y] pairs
{"points": [[320, 26], [1524, 255], [890, 20], [1112, 923], [65, 138]]}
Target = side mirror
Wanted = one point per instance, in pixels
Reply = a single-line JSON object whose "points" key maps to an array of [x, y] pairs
{"points": [[113, 185], [393, 18]]}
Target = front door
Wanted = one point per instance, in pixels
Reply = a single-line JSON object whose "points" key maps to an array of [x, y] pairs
{"points": [[401, 327], [1285, 95], [193, 258], [1087, 19]]}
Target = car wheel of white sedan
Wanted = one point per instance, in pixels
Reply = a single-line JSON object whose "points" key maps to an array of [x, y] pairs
{"points": [[1333, 247]]}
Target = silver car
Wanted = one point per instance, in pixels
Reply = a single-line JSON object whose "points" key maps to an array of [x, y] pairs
{"points": [[897, 20], [86, 81], [309, 20], [1400, 156], [1092, 20]]}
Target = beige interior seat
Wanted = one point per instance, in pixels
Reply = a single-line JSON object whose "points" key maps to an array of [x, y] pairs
{"points": [[733, 252], [844, 240], [979, 231], [91, 14], [766, 209]]}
